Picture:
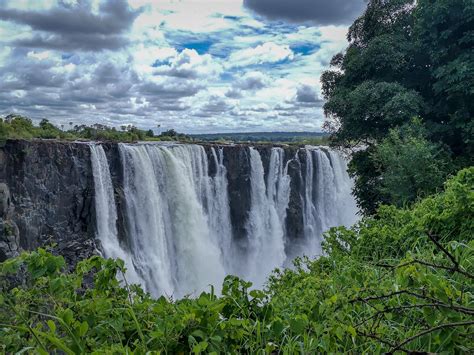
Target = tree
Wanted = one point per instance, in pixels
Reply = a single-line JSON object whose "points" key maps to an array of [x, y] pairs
{"points": [[405, 58], [409, 165]]}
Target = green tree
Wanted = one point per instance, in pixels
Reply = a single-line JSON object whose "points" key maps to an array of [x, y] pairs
{"points": [[405, 58], [409, 166]]}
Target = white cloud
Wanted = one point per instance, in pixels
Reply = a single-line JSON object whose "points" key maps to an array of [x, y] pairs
{"points": [[192, 65], [253, 80], [189, 64], [268, 52]]}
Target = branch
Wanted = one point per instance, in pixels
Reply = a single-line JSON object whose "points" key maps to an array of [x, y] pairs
{"points": [[443, 249], [436, 266], [427, 331], [396, 293], [373, 336], [464, 310]]}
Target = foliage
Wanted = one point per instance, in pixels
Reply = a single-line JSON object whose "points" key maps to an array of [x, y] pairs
{"points": [[19, 127], [400, 281], [409, 165], [405, 58], [296, 138]]}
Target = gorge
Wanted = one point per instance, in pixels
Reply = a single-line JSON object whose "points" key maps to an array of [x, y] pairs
{"points": [[181, 216]]}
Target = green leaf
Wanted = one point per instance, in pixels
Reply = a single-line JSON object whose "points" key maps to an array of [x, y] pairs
{"points": [[51, 325], [198, 334], [67, 316], [351, 331], [298, 325], [200, 347], [84, 327]]}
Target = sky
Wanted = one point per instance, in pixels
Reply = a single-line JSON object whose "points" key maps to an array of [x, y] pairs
{"points": [[197, 66]]}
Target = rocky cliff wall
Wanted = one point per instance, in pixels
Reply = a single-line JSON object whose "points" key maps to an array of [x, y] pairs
{"points": [[47, 194], [51, 196]]}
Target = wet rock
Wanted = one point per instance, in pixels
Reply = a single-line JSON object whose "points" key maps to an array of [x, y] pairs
{"points": [[51, 188], [47, 194]]}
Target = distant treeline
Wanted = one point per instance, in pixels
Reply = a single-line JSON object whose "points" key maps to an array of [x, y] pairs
{"points": [[274, 137], [20, 127]]}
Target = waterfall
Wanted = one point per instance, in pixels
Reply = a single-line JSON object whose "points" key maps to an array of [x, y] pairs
{"points": [[219, 213], [106, 213], [266, 229], [327, 199], [178, 231], [168, 196]]}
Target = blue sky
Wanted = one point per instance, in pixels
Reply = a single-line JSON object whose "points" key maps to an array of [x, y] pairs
{"points": [[192, 65]]}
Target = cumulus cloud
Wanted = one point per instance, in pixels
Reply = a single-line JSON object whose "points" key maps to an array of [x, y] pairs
{"points": [[307, 94], [268, 52], [74, 26], [189, 64], [234, 93], [253, 80], [192, 68], [321, 12]]}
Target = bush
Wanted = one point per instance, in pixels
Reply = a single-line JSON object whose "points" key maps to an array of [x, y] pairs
{"points": [[400, 281]]}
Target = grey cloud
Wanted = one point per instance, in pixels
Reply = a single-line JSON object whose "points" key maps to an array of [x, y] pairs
{"points": [[252, 81], [214, 105], [321, 12], [73, 42], [234, 93], [307, 94], [172, 89], [75, 27], [87, 91]]}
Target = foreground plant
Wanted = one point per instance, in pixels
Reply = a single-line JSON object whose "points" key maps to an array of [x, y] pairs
{"points": [[399, 282]]}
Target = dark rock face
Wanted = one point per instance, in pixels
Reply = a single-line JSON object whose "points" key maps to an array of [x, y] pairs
{"points": [[9, 233], [51, 188], [47, 195], [237, 163]]}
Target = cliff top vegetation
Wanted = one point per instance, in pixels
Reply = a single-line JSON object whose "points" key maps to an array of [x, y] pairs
{"points": [[20, 127]]}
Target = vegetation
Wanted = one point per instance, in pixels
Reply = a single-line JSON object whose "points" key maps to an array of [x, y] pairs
{"points": [[402, 281], [297, 138], [19, 127], [405, 59]]}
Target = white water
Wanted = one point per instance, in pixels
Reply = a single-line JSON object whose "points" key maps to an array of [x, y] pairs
{"points": [[106, 213], [327, 200], [265, 227], [167, 192], [179, 236]]}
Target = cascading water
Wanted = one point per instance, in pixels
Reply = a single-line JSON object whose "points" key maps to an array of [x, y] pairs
{"points": [[266, 229], [327, 199], [106, 213], [179, 233], [167, 193]]}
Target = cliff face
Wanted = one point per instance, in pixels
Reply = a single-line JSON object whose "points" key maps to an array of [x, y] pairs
{"points": [[51, 197], [47, 194]]}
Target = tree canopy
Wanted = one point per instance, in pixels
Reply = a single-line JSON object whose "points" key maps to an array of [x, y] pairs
{"points": [[405, 59]]}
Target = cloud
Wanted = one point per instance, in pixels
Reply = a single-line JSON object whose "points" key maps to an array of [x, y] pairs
{"points": [[321, 12], [170, 89], [307, 94], [183, 64], [253, 80], [268, 52], [189, 64], [70, 27], [234, 93]]}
